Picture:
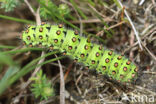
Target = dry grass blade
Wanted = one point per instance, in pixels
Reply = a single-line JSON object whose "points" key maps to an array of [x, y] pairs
{"points": [[62, 84], [134, 29]]}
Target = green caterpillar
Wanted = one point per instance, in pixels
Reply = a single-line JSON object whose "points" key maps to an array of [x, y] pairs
{"points": [[82, 50]]}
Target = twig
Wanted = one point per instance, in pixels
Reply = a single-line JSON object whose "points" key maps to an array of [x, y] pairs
{"points": [[154, 3], [148, 72], [56, 64], [51, 99], [141, 2], [68, 70], [145, 89], [107, 19], [38, 68], [77, 81], [118, 24], [133, 27], [96, 11], [131, 44], [101, 32], [38, 19], [147, 29], [62, 85], [31, 9], [151, 54]]}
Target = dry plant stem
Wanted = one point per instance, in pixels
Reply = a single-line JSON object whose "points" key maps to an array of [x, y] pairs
{"points": [[153, 2], [38, 68], [31, 9], [62, 84], [107, 19], [151, 32], [38, 19], [151, 54], [131, 44], [133, 27], [56, 64], [147, 29], [100, 33], [51, 99], [19, 47], [141, 2], [96, 11], [118, 24], [148, 72], [145, 89], [68, 70], [77, 81]]}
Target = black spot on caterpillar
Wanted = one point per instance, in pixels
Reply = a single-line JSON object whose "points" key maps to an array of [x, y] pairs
{"points": [[81, 49]]}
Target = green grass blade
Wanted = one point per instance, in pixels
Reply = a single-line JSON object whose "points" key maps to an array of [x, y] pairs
{"points": [[23, 50], [79, 11], [12, 70], [6, 59], [17, 19], [11, 78], [7, 47]]}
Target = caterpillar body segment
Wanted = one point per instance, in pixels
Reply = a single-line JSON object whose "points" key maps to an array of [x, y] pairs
{"points": [[104, 62], [93, 57], [70, 42], [81, 53]]}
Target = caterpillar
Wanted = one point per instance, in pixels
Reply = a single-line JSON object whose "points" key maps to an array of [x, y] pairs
{"points": [[82, 50]]}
